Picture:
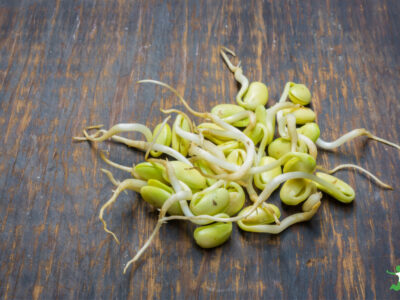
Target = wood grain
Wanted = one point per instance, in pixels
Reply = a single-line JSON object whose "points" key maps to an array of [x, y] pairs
{"points": [[68, 64]]}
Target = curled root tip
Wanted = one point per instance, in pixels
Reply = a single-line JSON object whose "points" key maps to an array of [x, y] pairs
{"points": [[114, 236], [128, 265], [389, 187], [174, 91], [126, 268], [362, 170], [231, 66], [107, 230], [231, 52]]}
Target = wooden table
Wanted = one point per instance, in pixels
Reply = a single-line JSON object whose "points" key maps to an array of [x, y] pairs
{"points": [[66, 64]]}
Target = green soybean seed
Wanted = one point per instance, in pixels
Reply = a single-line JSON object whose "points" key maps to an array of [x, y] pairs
{"points": [[229, 146], [343, 192], [150, 170], [237, 198], [257, 94], [295, 191], [204, 166], [213, 235], [299, 94], [237, 156], [156, 197], [303, 115], [257, 133], [227, 110], [164, 137], [310, 130], [281, 146], [260, 216], [262, 179], [187, 174], [159, 184], [302, 163], [210, 203], [216, 140]]}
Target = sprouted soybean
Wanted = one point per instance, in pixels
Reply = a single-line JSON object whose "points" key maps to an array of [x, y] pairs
{"points": [[208, 167]]}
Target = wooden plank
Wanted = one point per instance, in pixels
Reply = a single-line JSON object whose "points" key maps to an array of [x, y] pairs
{"points": [[68, 64]]}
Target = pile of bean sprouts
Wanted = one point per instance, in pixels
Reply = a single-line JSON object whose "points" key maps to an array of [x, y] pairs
{"points": [[201, 173]]}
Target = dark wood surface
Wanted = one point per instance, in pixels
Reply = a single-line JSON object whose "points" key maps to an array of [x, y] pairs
{"points": [[68, 64]]}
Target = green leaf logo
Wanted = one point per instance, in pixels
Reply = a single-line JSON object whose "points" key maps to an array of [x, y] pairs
{"points": [[395, 287]]}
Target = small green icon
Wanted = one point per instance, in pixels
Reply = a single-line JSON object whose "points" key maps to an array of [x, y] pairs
{"points": [[395, 287]]}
